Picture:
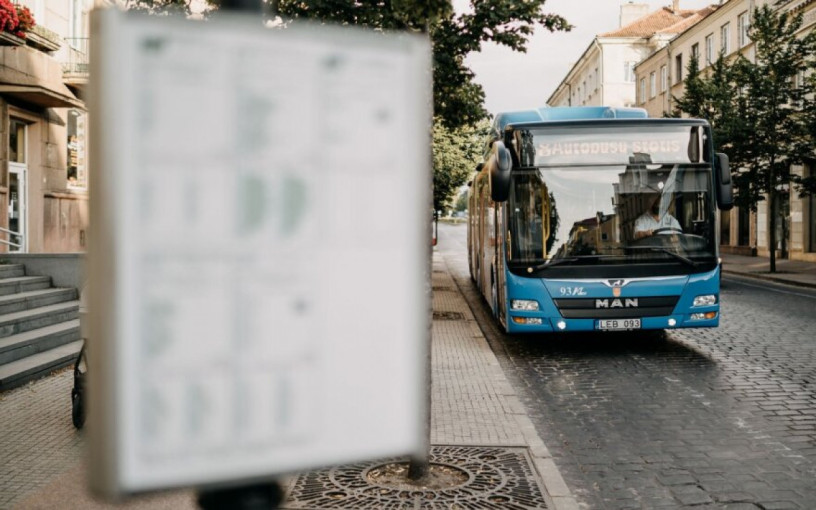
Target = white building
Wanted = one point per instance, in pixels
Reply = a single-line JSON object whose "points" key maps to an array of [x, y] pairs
{"points": [[605, 73]]}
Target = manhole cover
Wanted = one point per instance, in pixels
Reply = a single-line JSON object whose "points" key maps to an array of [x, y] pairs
{"points": [[478, 478], [448, 316]]}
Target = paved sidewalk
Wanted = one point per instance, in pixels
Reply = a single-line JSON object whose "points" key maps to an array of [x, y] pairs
{"points": [[791, 272], [473, 404]]}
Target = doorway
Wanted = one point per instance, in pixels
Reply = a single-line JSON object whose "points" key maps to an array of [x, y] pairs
{"points": [[17, 188]]}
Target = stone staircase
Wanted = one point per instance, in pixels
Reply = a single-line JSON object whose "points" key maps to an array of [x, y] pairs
{"points": [[39, 326]]}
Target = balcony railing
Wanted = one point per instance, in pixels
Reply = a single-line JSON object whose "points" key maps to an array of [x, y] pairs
{"points": [[76, 61]]}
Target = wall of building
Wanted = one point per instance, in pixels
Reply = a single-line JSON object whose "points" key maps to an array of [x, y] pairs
{"points": [[616, 52], [56, 207]]}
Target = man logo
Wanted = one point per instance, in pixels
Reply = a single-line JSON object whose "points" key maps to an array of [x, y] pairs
{"points": [[616, 283], [616, 303]]}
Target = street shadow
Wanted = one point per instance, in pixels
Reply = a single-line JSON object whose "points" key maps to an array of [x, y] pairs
{"points": [[647, 344]]}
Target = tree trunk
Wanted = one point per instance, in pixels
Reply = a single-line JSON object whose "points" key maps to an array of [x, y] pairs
{"points": [[772, 226]]}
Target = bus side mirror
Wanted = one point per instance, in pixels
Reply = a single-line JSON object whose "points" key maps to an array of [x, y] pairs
{"points": [[500, 165], [725, 192]]}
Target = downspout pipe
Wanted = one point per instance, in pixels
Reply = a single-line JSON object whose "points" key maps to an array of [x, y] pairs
{"points": [[600, 72]]}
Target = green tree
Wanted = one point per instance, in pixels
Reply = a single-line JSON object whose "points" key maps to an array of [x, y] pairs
{"points": [[458, 99], [714, 96], [461, 202], [775, 134], [455, 153], [167, 7], [762, 111]]}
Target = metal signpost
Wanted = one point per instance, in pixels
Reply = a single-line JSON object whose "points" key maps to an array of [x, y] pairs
{"points": [[257, 289]]}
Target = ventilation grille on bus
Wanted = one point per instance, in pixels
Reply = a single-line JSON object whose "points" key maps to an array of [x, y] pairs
{"points": [[616, 308]]}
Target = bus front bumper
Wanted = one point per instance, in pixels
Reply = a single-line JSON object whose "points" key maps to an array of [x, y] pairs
{"points": [[529, 323]]}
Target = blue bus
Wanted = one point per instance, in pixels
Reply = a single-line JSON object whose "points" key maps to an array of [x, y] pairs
{"points": [[597, 218]]}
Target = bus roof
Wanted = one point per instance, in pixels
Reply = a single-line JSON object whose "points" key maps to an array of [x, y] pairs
{"points": [[557, 113]]}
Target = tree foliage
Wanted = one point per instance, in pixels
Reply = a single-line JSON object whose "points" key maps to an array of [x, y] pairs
{"points": [[458, 99], [762, 111], [170, 7], [455, 153]]}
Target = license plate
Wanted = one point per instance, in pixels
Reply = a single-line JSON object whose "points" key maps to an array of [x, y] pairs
{"points": [[618, 324]]}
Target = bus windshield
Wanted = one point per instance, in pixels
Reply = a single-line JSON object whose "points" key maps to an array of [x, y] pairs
{"points": [[611, 214]]}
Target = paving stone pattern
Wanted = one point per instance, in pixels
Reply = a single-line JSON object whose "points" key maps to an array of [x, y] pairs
{"points": [[472, 401], [38, 442]]}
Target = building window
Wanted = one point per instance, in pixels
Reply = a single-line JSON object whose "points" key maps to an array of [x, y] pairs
{"points": [[629, 72], [709, 49], [678, 68], [695, 52], [799, 86], [77, 168], [725, 39], [742, 29], [664, 78], [17, 141], [652, 85], [643, 90]]}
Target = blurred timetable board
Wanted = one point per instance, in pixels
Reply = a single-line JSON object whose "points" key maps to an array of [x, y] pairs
{"points": [[258, 251]]}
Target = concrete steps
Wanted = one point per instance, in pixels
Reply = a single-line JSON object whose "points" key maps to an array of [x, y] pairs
{"points": [[39, 326]]}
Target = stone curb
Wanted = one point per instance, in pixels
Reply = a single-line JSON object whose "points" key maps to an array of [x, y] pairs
{"points": [[762, 277]]}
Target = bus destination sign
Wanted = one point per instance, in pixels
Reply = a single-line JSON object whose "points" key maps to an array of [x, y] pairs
{"points": [[580, 147]]}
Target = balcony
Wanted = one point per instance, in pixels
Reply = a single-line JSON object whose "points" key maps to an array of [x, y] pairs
{"points": [[74, 60], [43, 39]]}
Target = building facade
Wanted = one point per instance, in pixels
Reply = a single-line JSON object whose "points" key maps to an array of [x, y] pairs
{"points": [[725, 31], [604, 74], [43, 124]]}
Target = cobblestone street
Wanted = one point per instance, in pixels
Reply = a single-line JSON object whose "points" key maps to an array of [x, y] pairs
{"points": [[714, 418]]}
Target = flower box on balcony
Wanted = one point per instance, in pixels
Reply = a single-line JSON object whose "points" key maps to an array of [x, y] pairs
{"points": [[43, 39], [8, 39]]}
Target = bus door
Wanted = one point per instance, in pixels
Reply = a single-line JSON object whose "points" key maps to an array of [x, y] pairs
{"points": [[501, 248]]}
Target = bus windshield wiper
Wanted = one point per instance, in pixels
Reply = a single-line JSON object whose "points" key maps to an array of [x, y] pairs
{"points": [[554, 262], [564, 260], [667, 251]]}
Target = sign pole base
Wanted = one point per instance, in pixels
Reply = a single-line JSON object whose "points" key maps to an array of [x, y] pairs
{"points": [[262, 496]]}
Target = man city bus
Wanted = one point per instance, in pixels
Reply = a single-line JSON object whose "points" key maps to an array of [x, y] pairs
{"points": [[595, 218]]}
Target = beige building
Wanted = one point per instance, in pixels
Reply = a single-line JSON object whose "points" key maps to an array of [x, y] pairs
{"points": [[43, 124], [604, 74], [725, 30]]}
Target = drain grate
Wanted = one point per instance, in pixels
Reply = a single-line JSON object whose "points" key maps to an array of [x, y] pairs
{"points": [[441, 287], [448, 316], [496, 478]]}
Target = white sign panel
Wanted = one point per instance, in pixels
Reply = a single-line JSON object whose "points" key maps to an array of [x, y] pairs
{"points": [[258, 250]]}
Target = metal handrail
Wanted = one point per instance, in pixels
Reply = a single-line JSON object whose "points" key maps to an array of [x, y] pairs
{"points": [[11, 233], [76, 61]]}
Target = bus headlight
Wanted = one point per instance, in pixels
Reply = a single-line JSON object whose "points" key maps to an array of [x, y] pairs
{"points": [[524, 304], [535, 321], [703, 316], [708, 299]]}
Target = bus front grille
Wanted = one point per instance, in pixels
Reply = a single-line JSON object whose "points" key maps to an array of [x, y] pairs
{"points": [[616, 308]]}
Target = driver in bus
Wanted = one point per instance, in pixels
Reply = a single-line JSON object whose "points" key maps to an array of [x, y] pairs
{"points": [[650, 222]]}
